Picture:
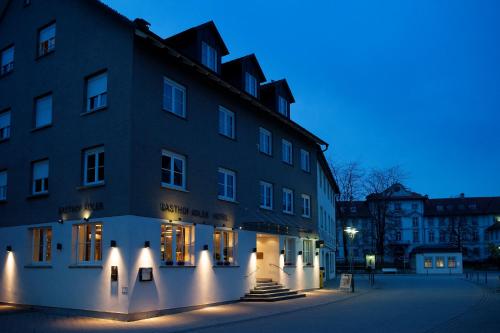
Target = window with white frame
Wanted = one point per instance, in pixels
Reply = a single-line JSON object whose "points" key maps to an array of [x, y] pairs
{"points": [[290, 253], [305, 163], [88, 243], [43, 111], [209, 56], [283, 106], [287, 201], [47, 39], [40, 177], [306, 205], [452, 262], [224, 247], [93, 166], [176, 246], [266, 195], [174, 97], [250, 84], [226, 122], [308, 252], [7, 60], [286, 151], [226, 184], [3, 185], [97, 92], [4, 125], [265, 141], [42, 245], [173, 170], [427, 262]]}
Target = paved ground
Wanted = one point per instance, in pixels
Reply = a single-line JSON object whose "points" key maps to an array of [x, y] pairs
{"points": [[397, 304]]}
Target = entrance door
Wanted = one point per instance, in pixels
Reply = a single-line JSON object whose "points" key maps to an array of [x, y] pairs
{"points": [[268, 257]]}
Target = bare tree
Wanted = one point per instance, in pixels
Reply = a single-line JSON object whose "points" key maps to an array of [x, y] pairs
{"points": [[460, 231], [349, 177]]}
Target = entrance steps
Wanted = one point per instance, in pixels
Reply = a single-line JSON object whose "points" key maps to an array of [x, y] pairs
{"points": [[268, 291]]}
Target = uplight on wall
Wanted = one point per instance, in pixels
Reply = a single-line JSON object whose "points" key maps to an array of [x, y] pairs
{"points": [[300, 253], [205, 247], [8, 248], [147, 244], [112, 243]]}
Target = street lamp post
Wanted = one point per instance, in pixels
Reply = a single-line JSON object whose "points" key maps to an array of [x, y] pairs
{"points": [[351, 232]]}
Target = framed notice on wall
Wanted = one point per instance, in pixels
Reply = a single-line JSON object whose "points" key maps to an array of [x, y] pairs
{"points": [[146, 274]]}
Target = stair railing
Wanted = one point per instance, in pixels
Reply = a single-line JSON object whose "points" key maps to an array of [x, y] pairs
{"points": [[253, 272], [273, 265]]}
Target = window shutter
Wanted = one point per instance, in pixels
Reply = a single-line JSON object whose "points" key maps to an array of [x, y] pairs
{"points": [[167, 96], [43, 111], [97, 85], [4, 119], [41, 170], [8, 56], [48, 33]]}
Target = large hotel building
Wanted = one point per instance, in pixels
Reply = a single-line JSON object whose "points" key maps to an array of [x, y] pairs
{"points": [[141, 174]]}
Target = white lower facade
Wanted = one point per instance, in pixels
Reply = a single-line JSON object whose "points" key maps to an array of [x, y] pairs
{"points": [[75, 270], [439, 263]]}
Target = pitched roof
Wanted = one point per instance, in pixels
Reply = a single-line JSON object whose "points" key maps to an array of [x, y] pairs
{"points": [[248, 58], [462, 206], [396, 191], [353, 209], [281, 82]]}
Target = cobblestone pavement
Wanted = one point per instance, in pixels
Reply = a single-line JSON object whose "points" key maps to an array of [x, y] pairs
{"points": [[397, 304]]}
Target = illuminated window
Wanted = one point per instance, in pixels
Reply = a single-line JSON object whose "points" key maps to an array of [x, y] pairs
{"points": [[250, 84], [88, 242], [209, 56], [452, 262], [440, 262], [290, 253], [286, 151], [4, 125], [174, 97], [7, 60], [177, 245], [226, 122], [40, 177], [265, 141], [428, 262], [305, 163], [173, 170], [93, 166], [42, 245], [306, 205], [266, 195], [3, 185], [307, 252], [97, 92], [224, 247], [287, 201], [47, 40], [226, 184]]}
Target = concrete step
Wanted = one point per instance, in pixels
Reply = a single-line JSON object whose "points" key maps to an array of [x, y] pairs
{"points": [[271, 299], [273, 294], [254, 291], [268, 287], [263, 284], [264, 280]]}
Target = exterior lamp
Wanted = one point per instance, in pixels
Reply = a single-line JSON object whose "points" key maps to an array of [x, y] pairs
{"points": [[317, 253], [113, 243], [300, 253], [86, 219], [9, 248], [351, 232], [60, 221], [205, 247], [147, 244], [59, 246], [254, 250], [282, 251]]}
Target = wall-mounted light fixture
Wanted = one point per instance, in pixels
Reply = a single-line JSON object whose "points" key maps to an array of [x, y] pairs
{"points": [[147, 244], [300, 253], [205, 247], [320, 244], [282, 252], [60, 221], [112, 243], [317, 253], [254, 250], [59, 246], [8, 248], [86, 219]]}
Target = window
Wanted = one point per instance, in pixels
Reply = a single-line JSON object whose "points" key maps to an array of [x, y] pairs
{"points": [[40, 177], [177, 245], [224, 247], [286, 151], [43, 111], [304, 160], [431, 236], [398, 236], [290, 254], [226, 184], [4, 125], [7, 61], [353, 209], [97, 92], [306, 205], [397, 206], [265, 141], [209, 56], [307, 253], [414, 206], [250, 84], [415, 222], [287, 201], [266, 195], [226, 122], [416, 236], [475, 235], [42, 245], [47, 40], [442, 236], [431, 222], [439, 262], [452, 262], [174, 98], [428, 262], [3, 185], [93, 166], [173, 170], [283, 106], [88, 242]]}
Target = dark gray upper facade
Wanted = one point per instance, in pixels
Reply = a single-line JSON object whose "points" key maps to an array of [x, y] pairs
{"points": [[134, 128]]}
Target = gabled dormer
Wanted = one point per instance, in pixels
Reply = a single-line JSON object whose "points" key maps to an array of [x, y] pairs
{"points": [[244, 73], [202, 44], [277, 96]]}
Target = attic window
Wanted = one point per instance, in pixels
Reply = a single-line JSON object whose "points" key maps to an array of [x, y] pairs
{"points": [[250, 84], [209, 56], [282, 106]]}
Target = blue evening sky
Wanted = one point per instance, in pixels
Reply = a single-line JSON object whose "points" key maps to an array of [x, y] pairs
{"points": [[409, 83]]}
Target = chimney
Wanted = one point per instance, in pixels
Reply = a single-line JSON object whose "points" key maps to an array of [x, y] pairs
{"points": [[462, 195]]}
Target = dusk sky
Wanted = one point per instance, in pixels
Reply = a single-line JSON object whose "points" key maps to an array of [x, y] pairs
{"points": [[409, 83]]}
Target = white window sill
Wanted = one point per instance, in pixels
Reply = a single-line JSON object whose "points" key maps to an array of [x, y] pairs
{"points": [[227, 199], [175, 188], [90, 186], [266, 208], [87, 112], [306, 216], [288, 213], [182, 116]]}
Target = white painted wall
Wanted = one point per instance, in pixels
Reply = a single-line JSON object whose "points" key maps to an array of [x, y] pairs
{"points": [[299, 277]]}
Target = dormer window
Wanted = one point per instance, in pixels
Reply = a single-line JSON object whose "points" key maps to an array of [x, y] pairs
{"points": [[283, 106], [250, 84], [209, 56]]}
